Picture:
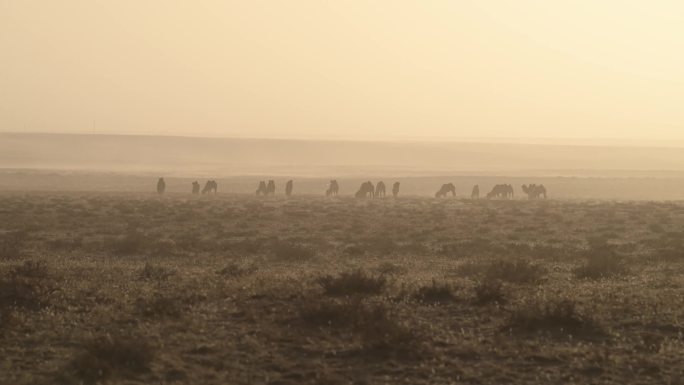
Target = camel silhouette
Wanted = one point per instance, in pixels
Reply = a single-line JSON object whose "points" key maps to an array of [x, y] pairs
{"points": [[395, 189], [209, 187], [366, 189], [446, 189], [195, 187], [476, 192], [380, 189], [161, 186], [288, 187], [333, 188], [534, 191]]}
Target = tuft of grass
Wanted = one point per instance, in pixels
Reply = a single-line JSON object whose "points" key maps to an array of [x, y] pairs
{"points": [[235, 270], [355, 282], [152, 272], [435, 293], [108, 357], [555, 317], [489, 291], [389, 268], [601, 262]]}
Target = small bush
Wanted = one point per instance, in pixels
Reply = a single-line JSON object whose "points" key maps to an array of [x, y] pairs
{"points": [[133, 243], [31, 269], [235, 270], [355, 282], [23, 292], [555, 317], [292, 252], [602, 261], [375, 327], [435, 293], [389, 268], [489, 291], [159, 306], [108, 357], [149, 271]]}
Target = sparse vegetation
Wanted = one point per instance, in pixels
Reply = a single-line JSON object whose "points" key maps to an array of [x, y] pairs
{"points": [[245, 290]]}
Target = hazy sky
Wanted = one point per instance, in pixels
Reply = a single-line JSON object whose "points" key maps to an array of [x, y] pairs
{"points": [[344, 69]]}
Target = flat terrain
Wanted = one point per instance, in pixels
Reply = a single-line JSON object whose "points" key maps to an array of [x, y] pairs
{"points": [[231, 289]]}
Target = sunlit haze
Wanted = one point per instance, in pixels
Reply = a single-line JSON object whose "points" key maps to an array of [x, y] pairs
{"points": [[345, 69]]}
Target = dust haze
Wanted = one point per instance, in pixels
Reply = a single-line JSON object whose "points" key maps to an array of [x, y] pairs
{"points": [[311, 192]]}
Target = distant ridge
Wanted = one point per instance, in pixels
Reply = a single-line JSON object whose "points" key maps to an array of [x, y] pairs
{"points": [[178, 155]]}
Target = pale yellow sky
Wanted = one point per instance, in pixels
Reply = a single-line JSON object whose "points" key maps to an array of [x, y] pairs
{"points": [[345, 69]]}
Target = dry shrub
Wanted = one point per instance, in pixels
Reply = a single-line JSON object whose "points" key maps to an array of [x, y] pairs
{"points": [[435, 293], [31, 269], [389, 268], [377, 329], [133, 243], [159, 306], [601, 261], [26, 286], [152, 272], [355, 282], [108, 357], [558, 317], [235, 270], [489, 291]]}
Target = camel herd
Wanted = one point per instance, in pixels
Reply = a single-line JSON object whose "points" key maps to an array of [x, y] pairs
{"points": [[368, 190]]}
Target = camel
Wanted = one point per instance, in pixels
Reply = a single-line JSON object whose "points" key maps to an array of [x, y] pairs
{"points": [[534, 191], [288, 187], [333, 188], [261, 190], [476, 192], [270, 188], [161, 186], [446, 189], [395, 189], [365, 190], [380, 189], [210, 186], [504, 191], [195, 187]]}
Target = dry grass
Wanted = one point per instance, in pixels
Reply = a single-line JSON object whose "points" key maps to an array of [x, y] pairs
{"points": [[137, 289]]}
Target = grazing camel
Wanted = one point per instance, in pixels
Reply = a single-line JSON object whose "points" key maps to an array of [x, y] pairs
{"points": [[209, 187], [261, 190], [288, 187], [446, 189], [380, 189], [161, 186], [195, 187], [504, 191], [333, 188], [395, 189], [270, 188], [534, 191], [365, 190], [476, 192]]}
